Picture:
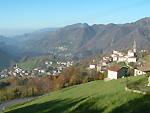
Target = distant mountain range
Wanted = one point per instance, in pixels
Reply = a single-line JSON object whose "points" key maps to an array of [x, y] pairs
{"points": [[82, 40]]}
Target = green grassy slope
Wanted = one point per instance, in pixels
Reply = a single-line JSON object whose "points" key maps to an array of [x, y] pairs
{"points": [[92, 97], [31, 64]]}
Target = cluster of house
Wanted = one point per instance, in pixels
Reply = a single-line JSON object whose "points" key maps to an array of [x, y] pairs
{"points": [[122, 57], [65, 64], [115, 72], [37, 71], [101, 65], [63, 48], [115, 56]]}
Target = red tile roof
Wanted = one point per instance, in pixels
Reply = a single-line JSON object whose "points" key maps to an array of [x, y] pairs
{"points": [[144, 68], [115, 68], [130, 51], [131, 57], [115, 56], [105, 61]]}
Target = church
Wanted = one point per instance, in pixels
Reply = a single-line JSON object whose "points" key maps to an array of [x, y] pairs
{"points": [[122, 57]]}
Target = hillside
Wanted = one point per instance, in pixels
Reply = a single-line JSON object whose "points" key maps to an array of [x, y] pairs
{"points": [[15, 44], [36, 62], [82, 40], [92, 97], [6, 59]]}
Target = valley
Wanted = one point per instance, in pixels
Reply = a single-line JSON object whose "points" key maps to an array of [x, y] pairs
{"points": [[70, 63]]}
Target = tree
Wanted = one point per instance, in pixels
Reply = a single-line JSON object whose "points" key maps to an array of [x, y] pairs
{"points": [[48, 79], [14, 80], [17, 92], [60, 82], [105, 73], [4, 94], [86, 79], [130, 72], [73, 80], [100, 76]]}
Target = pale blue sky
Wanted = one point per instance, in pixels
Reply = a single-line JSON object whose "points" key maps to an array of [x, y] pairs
{"points": [[28, 15]]}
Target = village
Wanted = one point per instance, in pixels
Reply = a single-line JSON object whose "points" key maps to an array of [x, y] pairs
{"points": [[115, 71], [48, 70], [107, 63]]}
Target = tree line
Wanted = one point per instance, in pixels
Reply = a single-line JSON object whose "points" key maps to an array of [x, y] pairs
{"points": [[20, 87]]}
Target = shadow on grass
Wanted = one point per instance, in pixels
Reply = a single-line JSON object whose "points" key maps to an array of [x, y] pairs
{"points": [[60, 106], [140, 105], [88, 107]]}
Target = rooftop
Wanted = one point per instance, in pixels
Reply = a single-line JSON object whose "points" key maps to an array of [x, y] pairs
{"points": [[144, 68], [115, 68], [130, 51]]}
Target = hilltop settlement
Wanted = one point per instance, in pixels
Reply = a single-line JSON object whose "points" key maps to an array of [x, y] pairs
{"points": [[115, 71]]}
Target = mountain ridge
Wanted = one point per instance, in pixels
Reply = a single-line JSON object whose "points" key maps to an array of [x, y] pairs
{"points": [[74, 40]]}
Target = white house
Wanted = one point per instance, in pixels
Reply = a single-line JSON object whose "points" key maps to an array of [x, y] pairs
{"points": [[131, 59], [120, 53], [130, 53], [141, 70], [105, 62], [115, 58], [121, 59], [115, 52], [115, 72], [92, 66]]}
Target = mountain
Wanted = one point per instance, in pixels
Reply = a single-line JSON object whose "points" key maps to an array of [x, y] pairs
{"points": [[6, 59], [45, 30], [13, 44], [82, 40], [68, 38]]}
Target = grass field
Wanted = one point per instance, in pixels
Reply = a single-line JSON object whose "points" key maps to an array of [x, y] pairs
{"points": [[143, 82], [92, 97], [31, 64]]}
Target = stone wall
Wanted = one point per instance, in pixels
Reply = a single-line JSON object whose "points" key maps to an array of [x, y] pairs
{"points": [[135, 91]]}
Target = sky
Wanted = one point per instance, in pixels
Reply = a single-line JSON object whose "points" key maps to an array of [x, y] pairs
{"points": [[23, 16]]}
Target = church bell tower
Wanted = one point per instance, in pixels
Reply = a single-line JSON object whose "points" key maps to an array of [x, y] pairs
{"points": [[134, 47]]}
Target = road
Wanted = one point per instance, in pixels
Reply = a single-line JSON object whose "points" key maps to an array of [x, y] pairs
{"points": [[11, 102]]}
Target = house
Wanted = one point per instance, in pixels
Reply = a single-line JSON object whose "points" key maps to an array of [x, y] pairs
{"points": [[100, 68], [121, 59], [115, 72], [120, 53], [107, 58], [43, 70], [115, 58], [141, 70], [92, 66], [105, 62], [131, 53], [50, 63], [131, 59], [46, 62], [115, 52]]}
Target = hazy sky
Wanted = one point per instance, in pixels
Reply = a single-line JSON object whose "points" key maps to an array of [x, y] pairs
{"points": [[19, 16]]}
